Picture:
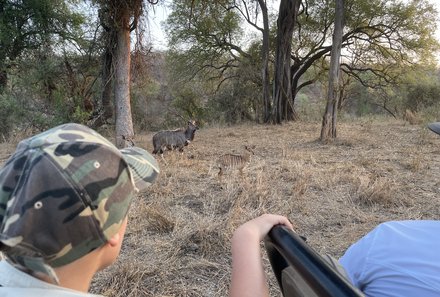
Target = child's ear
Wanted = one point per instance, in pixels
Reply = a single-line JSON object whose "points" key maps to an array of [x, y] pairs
{"points": [[114, 240]]}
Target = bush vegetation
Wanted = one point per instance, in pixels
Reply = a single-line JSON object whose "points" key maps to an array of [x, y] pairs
{"points": [[36, 101], [58, 78]]}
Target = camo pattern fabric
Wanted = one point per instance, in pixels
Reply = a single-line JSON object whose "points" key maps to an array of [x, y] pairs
{"points": [[65, 192]]}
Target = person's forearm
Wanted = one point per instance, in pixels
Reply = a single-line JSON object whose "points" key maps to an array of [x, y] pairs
{"points": [[248, 277]]}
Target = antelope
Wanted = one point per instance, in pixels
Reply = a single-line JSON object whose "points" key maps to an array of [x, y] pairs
{"points": [[234, 161], [174, 139]]}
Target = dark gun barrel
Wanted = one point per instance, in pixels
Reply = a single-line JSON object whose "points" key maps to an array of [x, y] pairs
{"points": [[310, 274]]}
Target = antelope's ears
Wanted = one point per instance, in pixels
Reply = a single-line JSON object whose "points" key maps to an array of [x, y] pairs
{"points": [[193, 122]]}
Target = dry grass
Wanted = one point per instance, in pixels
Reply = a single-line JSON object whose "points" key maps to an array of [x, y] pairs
{"points": [[412, 117], [177, 242]]}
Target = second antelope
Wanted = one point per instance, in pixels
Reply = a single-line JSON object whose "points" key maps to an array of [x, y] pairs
{"points": [[234, 161]]}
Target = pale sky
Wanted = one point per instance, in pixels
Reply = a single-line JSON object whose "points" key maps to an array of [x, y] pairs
{"points": [[437, 5], [156, 17], [161, 12]]}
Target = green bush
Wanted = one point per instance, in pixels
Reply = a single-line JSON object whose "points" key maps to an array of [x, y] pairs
{"points": [[309, 108], [423, 95]]}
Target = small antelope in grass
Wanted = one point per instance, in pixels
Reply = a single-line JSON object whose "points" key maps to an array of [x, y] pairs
{"points": [[233, 161]]}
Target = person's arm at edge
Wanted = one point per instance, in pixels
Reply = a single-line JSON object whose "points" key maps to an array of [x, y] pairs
{"points": [[248, 277]]}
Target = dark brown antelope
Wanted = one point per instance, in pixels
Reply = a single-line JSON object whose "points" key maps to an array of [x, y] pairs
{"points": [[174, 139]]}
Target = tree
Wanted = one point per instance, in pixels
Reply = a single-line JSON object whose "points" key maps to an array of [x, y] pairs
{"points": [[204, 39], [282, 98], [124, 122], [109, 41], [379, 37], [122, 17], [252, 19], [28, 25], [328, 130], [265, 62]]}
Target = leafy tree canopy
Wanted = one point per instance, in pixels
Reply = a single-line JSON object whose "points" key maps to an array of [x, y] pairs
{"points": [[378, 34], [206, 35], [32, 23]]}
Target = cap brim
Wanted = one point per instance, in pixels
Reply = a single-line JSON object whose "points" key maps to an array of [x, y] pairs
{"points": [[143, 166], [434, 127]]}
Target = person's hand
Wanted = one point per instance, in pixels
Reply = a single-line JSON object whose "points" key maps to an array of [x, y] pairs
{"points": [[259, 227], [248, 278]]}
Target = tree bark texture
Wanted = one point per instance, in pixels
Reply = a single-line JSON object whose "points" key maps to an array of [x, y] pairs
{"points": [[282, 108], [124, 122], [107, 76], [265, 62], [328, 130]]}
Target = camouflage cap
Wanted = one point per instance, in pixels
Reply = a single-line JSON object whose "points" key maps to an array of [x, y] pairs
{"points": [[65, 192]]}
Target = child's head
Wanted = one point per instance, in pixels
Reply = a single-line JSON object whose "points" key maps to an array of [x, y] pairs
{"points": [[66, 192]]}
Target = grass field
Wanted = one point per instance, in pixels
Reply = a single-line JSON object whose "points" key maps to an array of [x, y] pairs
{"points": [[178, 239]]}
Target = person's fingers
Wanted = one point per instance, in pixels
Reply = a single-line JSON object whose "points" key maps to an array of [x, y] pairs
{"points": [[285, 221], [278, 219], [265, 223], [259, 227]]}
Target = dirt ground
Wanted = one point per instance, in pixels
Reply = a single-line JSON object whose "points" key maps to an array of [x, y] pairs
{"points": [[178, 239]]}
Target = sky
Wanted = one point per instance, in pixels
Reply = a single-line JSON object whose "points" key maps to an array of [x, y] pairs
{"points": [[161, 12], [437, 5], [156, 17]]}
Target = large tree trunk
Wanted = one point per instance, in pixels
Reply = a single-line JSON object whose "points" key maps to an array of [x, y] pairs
{"points": [[110, 41], [124, 123], [328, 130], [265, 62], [282, 96], [107, 77]]}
